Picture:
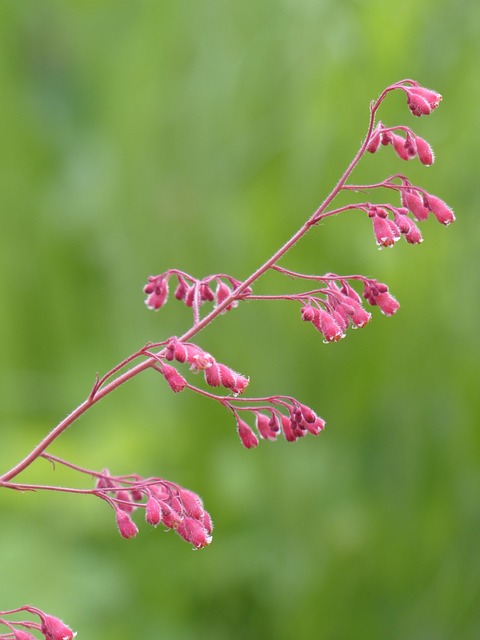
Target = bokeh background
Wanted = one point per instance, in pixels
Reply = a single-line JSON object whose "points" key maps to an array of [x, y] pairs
{"points": [[148, 134]]}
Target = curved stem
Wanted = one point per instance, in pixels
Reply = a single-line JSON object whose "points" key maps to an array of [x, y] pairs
{"points": [[98, 393]]}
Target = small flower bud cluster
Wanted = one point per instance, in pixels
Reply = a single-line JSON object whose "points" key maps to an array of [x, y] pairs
{"points": [[164, 502], [388, 231], [406, 148], [421, 204], [332, 317], [191, 291], [50, 627], [376, 293], [215, 373], [421, 101], [300, 421]]}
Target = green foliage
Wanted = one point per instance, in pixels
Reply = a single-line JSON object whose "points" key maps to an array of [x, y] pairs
{"points": [[138, 136]]}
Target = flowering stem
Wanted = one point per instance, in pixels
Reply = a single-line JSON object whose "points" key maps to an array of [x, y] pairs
{"points": [[100, 389]]}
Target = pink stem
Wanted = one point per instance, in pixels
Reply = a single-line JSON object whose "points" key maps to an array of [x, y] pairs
{"points": [[199, 325]]}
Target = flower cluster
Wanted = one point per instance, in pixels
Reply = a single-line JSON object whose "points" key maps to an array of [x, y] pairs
{"points": [[421, 203], [192, 291], [343, 306], [332, 307], [50, 627], [164, 503], [377, 293], [388, 231], [216, 374], [421, 101], [406, 148], [415, 201], [286, 415]]}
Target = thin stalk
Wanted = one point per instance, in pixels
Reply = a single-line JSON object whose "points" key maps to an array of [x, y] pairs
{"points": [[198, 324]]}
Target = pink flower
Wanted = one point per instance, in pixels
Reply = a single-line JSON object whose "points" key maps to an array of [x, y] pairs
{"points": [[325, 323], [219, 374], [206, 294], [316, 427], [126, 526], [425, 151], [375, 138], [222, 292], [153, 513], [440, 209], [192, 505], [288, 430], [176, 381], [414, 203], [348, 303], [264, 428], [307, 414], [376, 293], [170, 518], [188, 352], [248, 438], [422, 101], [387, 303], [407, 227], [182, 288], [157, 288], [385, 230], [194, 532], [404, 149], [54, 629]]}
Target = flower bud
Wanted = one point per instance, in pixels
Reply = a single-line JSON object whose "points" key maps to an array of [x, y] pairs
{"points": [[385, 230], [264, 428], [176, 381], [194, 532], [387, 303], [192, 505], [153, 513], [440, 209], [222, 292], [403, 150], [308, 414], [422, 101], [54, 629], [182, 287], [248, 438], [425, 151], [190, 295], [407, 227], [358, 315], [308, 313], [157, 289], [206, 294], [414, 203], [126, 526], [213, 376], [288, 431], [325, 323], [170, 518], [375, 138], [316, 427]]}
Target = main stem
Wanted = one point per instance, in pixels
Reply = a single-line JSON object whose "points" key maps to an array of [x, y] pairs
{"points": [[198, 326]]}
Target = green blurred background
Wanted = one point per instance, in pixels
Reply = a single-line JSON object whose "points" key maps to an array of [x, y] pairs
{"points": [[148, 134]]}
